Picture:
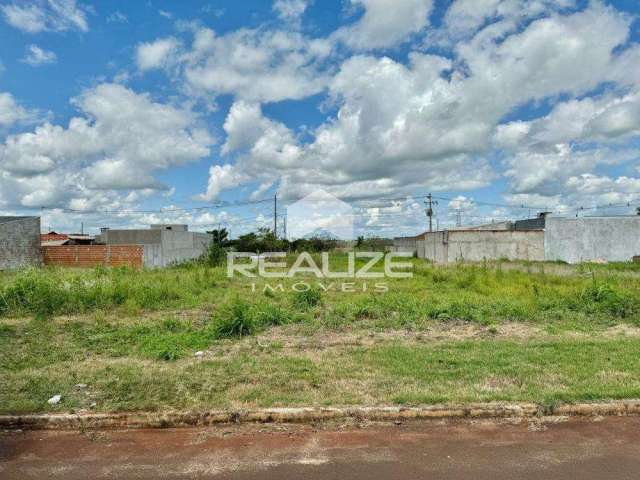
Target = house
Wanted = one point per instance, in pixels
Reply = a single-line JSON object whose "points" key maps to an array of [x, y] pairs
{"points": [[164, 244], [54, 239], [19, 242]]}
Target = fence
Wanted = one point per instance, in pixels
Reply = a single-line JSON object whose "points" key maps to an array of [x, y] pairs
{"points": [[87, 256]]}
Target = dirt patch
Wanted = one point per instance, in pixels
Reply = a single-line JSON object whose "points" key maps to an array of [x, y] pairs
{"points": [[289, 338]]}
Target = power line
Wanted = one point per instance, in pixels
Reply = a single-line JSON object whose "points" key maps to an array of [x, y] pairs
{"points": [[432, 198]]}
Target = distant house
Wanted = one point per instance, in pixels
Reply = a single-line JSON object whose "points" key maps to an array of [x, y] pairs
{"points": [[19, 242], [164, 244], [54, 239]]}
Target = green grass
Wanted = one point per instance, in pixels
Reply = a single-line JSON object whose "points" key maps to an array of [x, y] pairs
{"points": [[477, 293], [465, 371], [131, 335]]}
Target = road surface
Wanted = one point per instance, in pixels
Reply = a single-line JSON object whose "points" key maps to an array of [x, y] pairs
{"points": [[576, 448]]}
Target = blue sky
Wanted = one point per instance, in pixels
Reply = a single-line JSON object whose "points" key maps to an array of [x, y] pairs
{"points": [[129, 113]]}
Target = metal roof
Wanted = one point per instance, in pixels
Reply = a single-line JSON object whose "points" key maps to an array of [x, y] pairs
{"points": [[53, 243]]}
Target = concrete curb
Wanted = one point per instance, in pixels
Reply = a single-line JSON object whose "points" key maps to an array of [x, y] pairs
{"points": [[310, 415]]}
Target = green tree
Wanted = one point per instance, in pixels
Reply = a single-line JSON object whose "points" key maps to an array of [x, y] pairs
{"points": [[220, 236], [216, 254]]}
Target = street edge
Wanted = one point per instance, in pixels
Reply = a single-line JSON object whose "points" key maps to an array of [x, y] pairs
{"points": [[172, 419]]}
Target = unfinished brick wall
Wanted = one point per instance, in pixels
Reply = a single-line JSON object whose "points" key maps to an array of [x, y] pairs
{"points": [[88, 256]]}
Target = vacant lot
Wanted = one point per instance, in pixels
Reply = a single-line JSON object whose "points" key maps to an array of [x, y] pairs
{"points": [[118, 339]]}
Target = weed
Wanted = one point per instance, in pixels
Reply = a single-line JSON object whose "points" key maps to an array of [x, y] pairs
{"points": [[306, 299], [235, 320], [267, 315]]}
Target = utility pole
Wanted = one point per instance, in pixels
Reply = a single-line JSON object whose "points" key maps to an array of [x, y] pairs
{"points": [[429, 202], [275, 215], [458, 217], [285, 227]]}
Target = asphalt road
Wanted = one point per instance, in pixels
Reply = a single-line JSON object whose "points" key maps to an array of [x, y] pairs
{"points": [[580, 448]]}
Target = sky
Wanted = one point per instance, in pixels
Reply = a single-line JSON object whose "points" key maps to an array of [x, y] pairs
{"points": [[121, 114]]}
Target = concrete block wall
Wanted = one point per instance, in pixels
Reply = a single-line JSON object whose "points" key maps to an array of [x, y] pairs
{"points": [[574, 240], [89, 256], [476, 245], [182, 246], [405, 245], [20, 242], [130, 237]]}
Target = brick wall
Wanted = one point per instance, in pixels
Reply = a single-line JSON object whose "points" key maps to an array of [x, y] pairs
{"points": [[87, 256], [19, 242]]}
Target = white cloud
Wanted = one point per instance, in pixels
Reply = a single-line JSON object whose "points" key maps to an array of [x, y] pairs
{"points": [[580, 192], [36, 56], [290, 10], [156, 54], [118, 142], [432, 123], [51, 15], [222, 178], [244, 125], [117, 17], [553, 55], [255, 65], [385, 23], [165, 14], [590, 119], [10, 111], [465, 17]]}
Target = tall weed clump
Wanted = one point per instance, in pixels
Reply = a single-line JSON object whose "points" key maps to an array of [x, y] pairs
{"points": [[46, 292], [306, 299], [234, 320], [603, 297], [239, 318], [32, 292]]}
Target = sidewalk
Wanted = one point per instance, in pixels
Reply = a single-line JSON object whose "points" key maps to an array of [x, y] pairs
{"points": [[586, 448]]}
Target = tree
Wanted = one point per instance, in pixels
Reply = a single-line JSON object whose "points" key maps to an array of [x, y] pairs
{"points": [[261, 241], [216, 255], [247, 242], [220, 236], [359, 241], [637, 210]]}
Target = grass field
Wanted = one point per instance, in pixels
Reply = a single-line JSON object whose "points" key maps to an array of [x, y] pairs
{"points": [[495, 331]]}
